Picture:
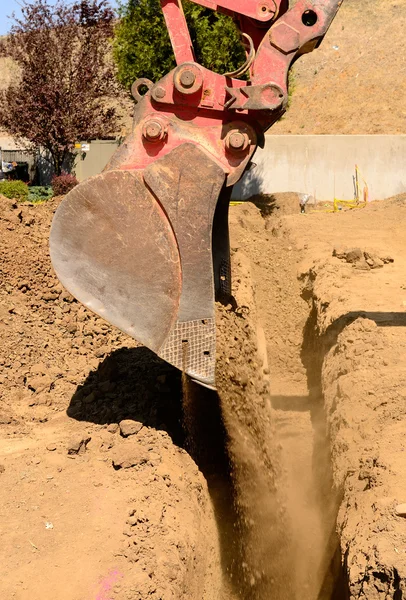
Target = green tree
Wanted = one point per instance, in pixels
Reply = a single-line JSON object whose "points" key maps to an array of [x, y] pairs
{"points": [[142, 47]]}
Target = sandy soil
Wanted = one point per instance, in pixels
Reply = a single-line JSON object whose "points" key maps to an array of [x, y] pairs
{"points": [[112, 487], [362, 57], [358, 325]]}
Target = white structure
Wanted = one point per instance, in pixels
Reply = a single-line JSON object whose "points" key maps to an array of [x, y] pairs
{"points": [[324, 166]]}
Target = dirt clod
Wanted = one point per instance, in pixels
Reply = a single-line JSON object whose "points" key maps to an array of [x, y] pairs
{"points": [[400, 510], [129, 427], [78, 445]]}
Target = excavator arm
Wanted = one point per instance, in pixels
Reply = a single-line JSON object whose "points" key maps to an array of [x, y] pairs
{"points": [[145, 244]]}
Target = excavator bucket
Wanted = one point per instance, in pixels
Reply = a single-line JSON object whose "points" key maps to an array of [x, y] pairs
{"points": [[143, 264], [145, 244]]}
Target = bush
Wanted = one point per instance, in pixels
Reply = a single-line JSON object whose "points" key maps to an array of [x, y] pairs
{"points": [[39, 193], [15, 190], [62, 184]]}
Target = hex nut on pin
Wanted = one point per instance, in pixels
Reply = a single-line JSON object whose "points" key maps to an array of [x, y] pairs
{"points": [[153, 130], [159, 92], [237, 141]]}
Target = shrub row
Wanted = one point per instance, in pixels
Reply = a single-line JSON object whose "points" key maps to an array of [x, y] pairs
{"points": [[18, 190]]}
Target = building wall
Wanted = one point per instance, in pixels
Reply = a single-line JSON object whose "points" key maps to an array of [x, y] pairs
{"points": [[93, 162], [324, 166]]}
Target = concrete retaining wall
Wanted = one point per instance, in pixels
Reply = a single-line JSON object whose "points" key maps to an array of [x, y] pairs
{"points": [[324, 166]]}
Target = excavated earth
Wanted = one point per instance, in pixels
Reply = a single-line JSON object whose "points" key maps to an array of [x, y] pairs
{"points": [[120, 479]]}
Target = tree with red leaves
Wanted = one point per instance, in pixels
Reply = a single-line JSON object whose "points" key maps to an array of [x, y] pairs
{"points": [[67, 82]]}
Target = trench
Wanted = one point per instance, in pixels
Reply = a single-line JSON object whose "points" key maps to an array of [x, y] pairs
{"points": [[311, 567], [275, 508], [308, 564]]}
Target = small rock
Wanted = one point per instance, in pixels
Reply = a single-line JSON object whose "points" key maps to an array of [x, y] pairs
{"points": [[373, 260], [2, 468], [78, 446], [129, 427], [387, 259], [126, 458], [49, 295], [400, 510], [361, 265], [51, 447], [112, 428], [102, 351], [354, 255]]}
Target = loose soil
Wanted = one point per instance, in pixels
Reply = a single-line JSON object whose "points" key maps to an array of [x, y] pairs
{"points": [[121, 480]]}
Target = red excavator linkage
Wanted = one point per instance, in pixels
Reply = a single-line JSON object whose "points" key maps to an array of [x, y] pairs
{"points": [[145, 244]]}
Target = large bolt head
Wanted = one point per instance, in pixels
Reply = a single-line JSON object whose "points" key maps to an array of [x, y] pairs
{"points": [[159, 92], [237, 141], [187, 78], [153, 130]]}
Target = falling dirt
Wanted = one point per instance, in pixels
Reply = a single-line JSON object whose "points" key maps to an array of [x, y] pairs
{"points": [[303, 544], [284, 484], [243, 389]]}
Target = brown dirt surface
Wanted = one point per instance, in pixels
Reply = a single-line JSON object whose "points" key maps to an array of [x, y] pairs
{"points": [[97, 499], [355, 277], [362, 57], [110, 489], [337, 379]]}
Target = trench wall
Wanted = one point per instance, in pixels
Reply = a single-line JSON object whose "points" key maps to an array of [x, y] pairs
{"points": [[324, 166]]}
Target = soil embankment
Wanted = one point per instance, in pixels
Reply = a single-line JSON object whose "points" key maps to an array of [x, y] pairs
{"points": [[354, 279], [362, 53]]}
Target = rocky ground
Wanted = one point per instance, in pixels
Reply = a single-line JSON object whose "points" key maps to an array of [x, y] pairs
{"points": [[288, 483]]}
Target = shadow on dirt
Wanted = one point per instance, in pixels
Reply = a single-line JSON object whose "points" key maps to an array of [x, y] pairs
{"points": [[286, 203], [133, 383]]}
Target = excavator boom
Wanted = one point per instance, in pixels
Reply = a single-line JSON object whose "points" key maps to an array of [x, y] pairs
{"points": [[145, 244]]}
